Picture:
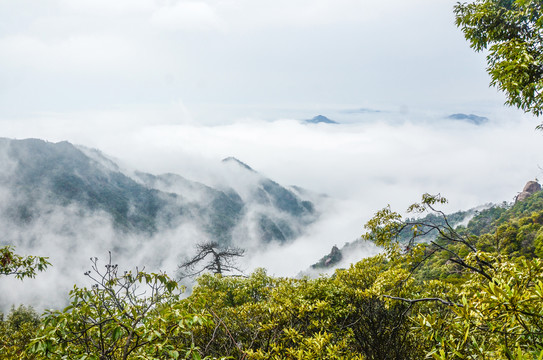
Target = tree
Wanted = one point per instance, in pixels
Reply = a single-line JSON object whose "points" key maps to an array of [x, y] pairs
{"points": [[22, 323], [20, 266], [493, 305], [133, 315], [262, 317], [219, 260], [16, 331], [512, 32], [382, 332], [498, 319], [458, 248]]}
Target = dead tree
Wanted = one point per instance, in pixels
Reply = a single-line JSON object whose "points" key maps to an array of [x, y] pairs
{"points": [[211, 257]]}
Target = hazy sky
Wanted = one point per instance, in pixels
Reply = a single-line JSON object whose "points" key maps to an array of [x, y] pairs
{"points": [[219, 59], [175, 86]]}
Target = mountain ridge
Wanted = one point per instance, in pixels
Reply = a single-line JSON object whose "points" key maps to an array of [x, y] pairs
{"points": [[62, 174], [320, 119]]}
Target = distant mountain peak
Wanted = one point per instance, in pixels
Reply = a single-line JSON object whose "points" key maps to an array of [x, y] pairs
{"points": [[320, 119], [232, 159], [471, 118]]}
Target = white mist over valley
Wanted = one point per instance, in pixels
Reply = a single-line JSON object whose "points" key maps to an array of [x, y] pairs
{"points": [[350, 170], [156, 94]]}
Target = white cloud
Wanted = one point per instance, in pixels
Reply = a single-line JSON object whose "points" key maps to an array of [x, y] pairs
{"points": [[186, 15], [107, 8], [311, 13], [108, 74], [74, 55], [384, 158]]}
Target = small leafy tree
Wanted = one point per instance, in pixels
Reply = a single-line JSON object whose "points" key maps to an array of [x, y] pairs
{"points": [[133, 315], [262, 317], [382, 332]]}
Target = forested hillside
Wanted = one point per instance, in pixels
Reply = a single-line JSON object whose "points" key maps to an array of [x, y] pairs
{"points": [[474, 291], [440, 289], [69, 202], [40, 177]]}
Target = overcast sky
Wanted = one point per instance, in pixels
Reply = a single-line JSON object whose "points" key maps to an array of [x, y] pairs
{"points": [[244, 57], [175, 85]]}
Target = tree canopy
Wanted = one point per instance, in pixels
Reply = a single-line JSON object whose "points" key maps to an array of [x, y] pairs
{"points": [[471, 292], [512, 32], [20, 266]]}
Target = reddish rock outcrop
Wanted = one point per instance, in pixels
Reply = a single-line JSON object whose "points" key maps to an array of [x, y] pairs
{"points": [[530, 188]]}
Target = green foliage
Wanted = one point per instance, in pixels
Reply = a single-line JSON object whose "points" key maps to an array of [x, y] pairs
{"points": [[511, 31], [492, 283], [459, 296], [20, 266], [514, 230], [498, 319], [485, 220], [22, 323], [261, 317], [472, 292], [451, 245], [129, 316], [16, 332], [533, 204]]}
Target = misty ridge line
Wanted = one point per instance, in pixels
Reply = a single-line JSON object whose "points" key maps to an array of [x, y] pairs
{"points": [[71, 203], [352, 170]]}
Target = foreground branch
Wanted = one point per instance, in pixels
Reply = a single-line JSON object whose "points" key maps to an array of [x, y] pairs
{"points": [[414, 301]]}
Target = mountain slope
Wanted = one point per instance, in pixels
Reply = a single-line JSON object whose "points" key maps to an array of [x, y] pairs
{"points": [[349, 252], [70, 203], [60, 174]]}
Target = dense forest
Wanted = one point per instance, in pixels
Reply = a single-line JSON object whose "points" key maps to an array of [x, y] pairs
{"points": [[466, 292], [473, 292]]}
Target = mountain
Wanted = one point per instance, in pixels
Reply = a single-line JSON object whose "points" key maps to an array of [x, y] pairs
{"points": [[351, 250], [483, 219], [70, 203], [38, 173], [232, 159], [473, 119], [320, 119]]}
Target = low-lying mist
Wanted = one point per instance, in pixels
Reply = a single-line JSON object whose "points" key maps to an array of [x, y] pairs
{"points": [[363, 164]]}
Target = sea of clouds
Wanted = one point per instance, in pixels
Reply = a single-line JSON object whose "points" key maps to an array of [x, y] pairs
{"points": [[369, 160]]}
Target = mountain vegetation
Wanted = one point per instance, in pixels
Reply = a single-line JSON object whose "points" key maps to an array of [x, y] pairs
{"points": [[427, 232], [437, 291], [511, 32], [41, 175], [473, 292], [68, 203]]}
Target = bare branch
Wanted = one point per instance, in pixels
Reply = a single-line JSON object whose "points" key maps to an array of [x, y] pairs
{"points": [[213, 258], [414, 301]]}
